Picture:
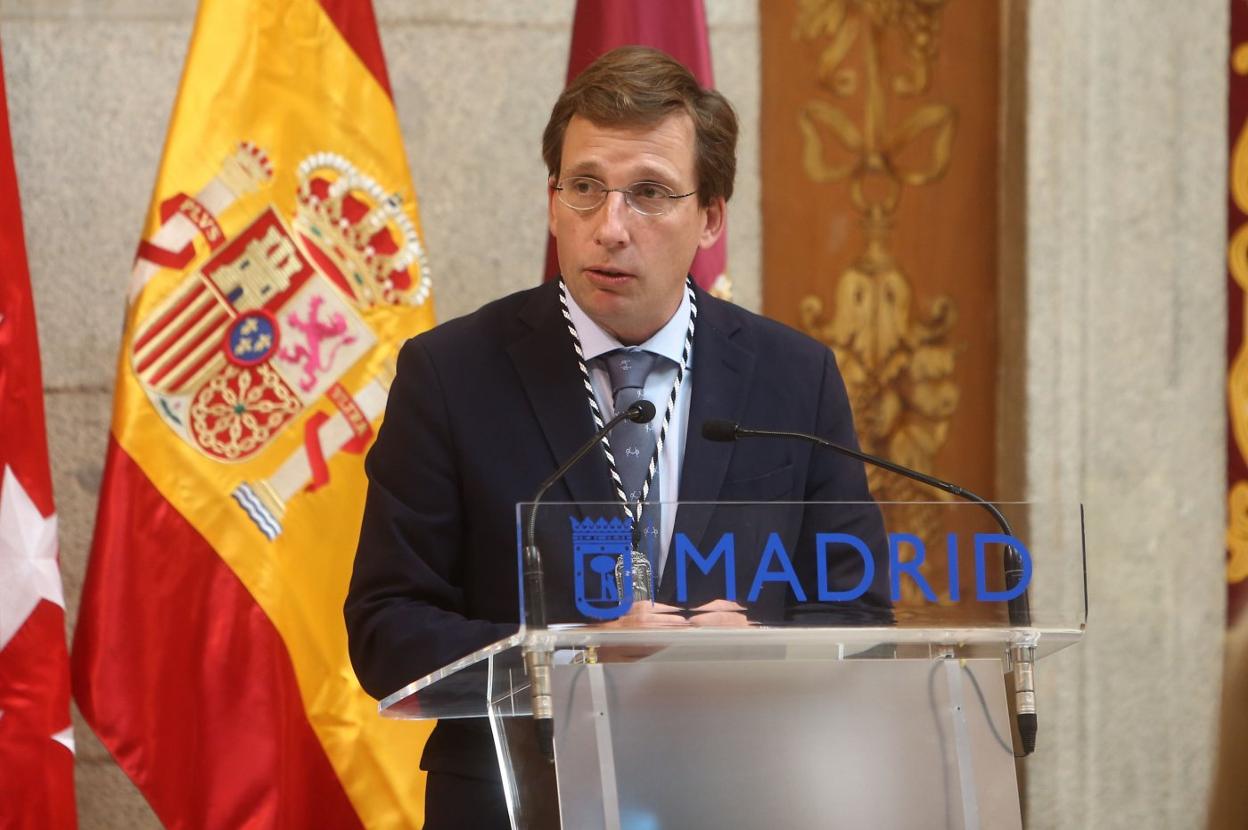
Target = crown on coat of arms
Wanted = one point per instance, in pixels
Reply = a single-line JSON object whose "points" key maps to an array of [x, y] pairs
{"points": [[359, 235], [246, 169], [600, 530]]}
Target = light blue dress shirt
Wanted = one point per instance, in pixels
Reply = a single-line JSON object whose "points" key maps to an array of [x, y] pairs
{"points": [[669, 342]]}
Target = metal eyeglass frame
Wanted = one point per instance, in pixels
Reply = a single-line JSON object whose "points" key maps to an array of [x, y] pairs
{"points": [[626, 191]]}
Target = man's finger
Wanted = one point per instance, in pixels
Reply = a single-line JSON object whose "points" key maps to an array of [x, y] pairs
{"points": [[720, 619], [720, 605]]}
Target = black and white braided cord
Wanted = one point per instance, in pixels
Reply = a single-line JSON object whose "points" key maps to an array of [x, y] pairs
{"points": [[681, 369]]}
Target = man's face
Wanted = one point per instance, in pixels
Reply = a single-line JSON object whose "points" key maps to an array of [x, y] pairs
{"points": [[625, 269]]}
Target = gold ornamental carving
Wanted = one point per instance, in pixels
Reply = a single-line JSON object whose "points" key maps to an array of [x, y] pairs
{"points": [[1237, 372], [874, 129]]}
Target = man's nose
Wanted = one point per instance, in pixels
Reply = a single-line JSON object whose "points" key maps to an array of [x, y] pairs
{"points": [[613, 217]]}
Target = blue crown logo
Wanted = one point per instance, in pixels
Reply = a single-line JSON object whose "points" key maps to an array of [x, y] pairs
{"points": [[599, 546]]}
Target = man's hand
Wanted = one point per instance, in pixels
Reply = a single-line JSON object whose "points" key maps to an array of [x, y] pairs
{"points": [[645, 614], [642, 614], [719, 613]]}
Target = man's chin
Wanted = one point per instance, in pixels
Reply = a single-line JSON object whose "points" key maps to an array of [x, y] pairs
{"points": [[608, 300], [608, 310]]}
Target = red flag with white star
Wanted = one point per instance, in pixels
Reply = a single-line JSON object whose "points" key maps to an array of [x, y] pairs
{"points": [[36, 738]]}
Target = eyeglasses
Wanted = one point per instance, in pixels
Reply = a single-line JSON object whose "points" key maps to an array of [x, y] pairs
{"points": [[647, 198]]}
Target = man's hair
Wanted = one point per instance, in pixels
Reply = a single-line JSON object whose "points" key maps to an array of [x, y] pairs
{"points": [[636, 86]]}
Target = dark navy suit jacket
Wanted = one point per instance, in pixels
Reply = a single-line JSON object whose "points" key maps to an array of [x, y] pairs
{"points": [[484, 407]]}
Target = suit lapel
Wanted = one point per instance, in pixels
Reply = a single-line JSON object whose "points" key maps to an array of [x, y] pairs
{"points": [[551, 378], [723, 368]]}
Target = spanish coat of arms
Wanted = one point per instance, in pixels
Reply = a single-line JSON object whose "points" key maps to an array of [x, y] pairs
{"points": [[267, 325]]}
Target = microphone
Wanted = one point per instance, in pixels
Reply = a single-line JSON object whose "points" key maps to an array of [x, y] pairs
{"points": [[1022, 657], [537, 658]]}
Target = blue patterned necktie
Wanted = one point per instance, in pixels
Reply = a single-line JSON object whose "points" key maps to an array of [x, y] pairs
{"points": [[633, 444]]}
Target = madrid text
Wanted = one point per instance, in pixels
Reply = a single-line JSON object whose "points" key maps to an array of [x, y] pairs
{"points": [[775, 565]]}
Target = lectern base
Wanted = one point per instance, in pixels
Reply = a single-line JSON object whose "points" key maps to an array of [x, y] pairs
{"points": [[863, 743]]}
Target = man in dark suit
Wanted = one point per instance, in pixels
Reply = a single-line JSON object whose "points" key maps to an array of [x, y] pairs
{"points": [[484, 407]]}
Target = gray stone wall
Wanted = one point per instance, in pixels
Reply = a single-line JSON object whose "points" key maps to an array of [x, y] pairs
{"points": [[1122, 319], [1116, 312], [91, 84]]}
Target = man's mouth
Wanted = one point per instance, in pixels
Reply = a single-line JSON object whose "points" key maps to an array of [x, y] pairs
{"points": [[607, 274]]}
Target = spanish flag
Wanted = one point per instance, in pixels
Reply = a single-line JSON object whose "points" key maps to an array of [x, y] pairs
{"points": [[280, 269]]}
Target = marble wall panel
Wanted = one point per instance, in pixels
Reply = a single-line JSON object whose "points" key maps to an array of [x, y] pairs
{"points": [[113, 10], [108, 801], [485, 14], [77, 437], [89, 101], [1124, 339]]}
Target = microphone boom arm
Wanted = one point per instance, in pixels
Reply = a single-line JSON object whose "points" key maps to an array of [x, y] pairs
{"points": [[1022, 656]]}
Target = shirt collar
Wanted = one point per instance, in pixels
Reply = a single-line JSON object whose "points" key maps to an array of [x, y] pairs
{"points": [[668, 341]]}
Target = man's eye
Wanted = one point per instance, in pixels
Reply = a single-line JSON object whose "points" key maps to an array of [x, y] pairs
{"points": [[583, 187], [649, 191]]}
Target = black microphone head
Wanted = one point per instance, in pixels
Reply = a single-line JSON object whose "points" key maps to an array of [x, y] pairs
{"points": [[717, 429], [1027, 731], [641, 412]]}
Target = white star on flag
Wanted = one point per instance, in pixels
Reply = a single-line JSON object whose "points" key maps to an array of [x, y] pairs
{"points": [[65, 737], [28, 569]]}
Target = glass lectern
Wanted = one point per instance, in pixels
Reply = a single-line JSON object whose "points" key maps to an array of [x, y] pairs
{"points": [[869, 670]]}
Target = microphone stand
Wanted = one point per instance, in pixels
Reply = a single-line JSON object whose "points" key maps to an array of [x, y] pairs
{"points": [[1022, 657], [537, 649]]}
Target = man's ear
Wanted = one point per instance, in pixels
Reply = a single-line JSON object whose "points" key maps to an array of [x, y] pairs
{"points": [[716, 220]]}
